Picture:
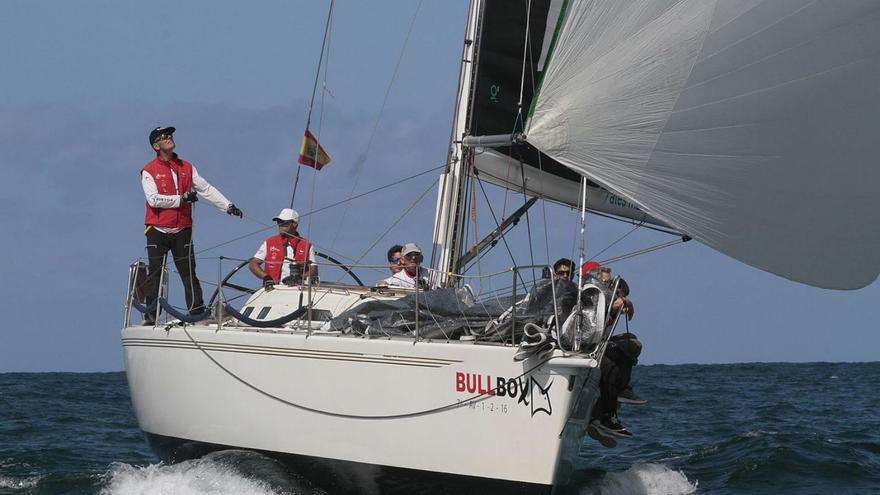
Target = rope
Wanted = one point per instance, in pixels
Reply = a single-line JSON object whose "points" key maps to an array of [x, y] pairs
{"points": [[171, 310], [301, 407]]}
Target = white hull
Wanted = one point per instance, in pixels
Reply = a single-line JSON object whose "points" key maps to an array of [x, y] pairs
{"points": [[387, 402]]}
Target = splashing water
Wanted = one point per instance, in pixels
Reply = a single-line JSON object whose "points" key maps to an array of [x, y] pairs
{"points": [[13, 483], [202, 476], [644, 479]]}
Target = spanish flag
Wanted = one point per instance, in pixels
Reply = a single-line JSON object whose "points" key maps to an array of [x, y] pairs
{"points": [[311, 154]]}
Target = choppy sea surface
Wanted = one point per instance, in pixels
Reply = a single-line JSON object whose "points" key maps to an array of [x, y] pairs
{"points": [[809, 428]]}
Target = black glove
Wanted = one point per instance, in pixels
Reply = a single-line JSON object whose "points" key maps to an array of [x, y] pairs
{"points": [[189, 197], [234, 211], [268, 283]]}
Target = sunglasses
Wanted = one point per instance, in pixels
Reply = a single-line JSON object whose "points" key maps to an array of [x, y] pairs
{"points": [[412, 256], [395, 259], [163, 137], [286, 222], [563, 272]]}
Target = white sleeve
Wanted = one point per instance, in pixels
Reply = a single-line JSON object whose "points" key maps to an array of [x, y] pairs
{"points": [[261, 253], [312, 254], [155, 199], [208, 191]]}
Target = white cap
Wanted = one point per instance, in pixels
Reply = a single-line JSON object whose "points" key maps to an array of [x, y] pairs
{"points": [[287, 215], [410, 248]]}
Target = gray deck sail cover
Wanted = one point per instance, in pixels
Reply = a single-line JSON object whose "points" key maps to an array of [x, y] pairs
{"points": [[450, 313]]}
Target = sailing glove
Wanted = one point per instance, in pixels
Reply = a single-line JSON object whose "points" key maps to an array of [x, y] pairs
{"points": [[190, 197], [234, 211], [268, 283]]}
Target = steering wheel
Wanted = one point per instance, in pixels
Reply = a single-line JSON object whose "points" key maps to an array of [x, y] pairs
{"points": [[226, 283]]}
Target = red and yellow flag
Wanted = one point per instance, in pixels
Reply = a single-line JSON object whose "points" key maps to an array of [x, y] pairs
{"points": [[311, 154]]}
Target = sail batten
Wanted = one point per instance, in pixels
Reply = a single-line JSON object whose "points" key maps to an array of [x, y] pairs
{"points": [[748, 124]]}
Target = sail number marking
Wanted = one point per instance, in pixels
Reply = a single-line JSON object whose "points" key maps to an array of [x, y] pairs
{"points": [[524, 390]]}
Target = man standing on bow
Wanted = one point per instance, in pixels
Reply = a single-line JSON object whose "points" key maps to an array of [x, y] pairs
{"points": [[171, 186], [287, 256]]}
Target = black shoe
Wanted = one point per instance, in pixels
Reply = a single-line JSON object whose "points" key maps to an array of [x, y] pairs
{"points": [[628, 396], [597, 433], [612, 426]]}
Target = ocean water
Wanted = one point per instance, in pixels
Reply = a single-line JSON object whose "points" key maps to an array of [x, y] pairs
{"points": [[708, 429]]}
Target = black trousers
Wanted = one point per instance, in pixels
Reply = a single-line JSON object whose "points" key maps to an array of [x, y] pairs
{"points": [[616, 368], [181, 247]]}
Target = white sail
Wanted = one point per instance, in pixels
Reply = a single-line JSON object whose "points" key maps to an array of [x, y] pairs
{"points": [[750, 125]]}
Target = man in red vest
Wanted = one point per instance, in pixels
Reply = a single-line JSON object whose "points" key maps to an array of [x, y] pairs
{"points": [[171, 186], [288, 257]]}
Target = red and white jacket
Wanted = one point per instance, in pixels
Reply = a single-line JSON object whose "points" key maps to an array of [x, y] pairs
{"points": [[164, 174], [276, 252], [164, 182]]}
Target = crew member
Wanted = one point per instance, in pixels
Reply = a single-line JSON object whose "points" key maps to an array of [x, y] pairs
{"points": [[562, 269], [171, 186], [394, 262], [412, 272], [287, 256]]}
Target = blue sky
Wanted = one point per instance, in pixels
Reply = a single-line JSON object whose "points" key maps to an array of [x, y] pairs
{"points": [[84, 82]]}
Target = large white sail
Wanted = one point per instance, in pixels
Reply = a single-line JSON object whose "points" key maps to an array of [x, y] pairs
{"points": [[750, 125]]}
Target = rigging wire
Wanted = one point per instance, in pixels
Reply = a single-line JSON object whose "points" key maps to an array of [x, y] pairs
{"points": [[314, 89], [503, 238], [540, 165], [519, 125], [646, 250], [371, 191], [363, 157], [609, 246], [394, 224], [522, 80], [324, 91]]}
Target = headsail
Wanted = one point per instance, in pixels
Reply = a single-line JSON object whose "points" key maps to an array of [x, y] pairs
{"points": [[508, 71], [750, 125]]}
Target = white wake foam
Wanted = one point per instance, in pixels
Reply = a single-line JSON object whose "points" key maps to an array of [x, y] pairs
{"points": [[18, 483], [198, 477], [645, 479]]}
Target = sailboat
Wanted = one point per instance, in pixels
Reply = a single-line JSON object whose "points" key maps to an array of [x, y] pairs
{"points": [[747, 125]]}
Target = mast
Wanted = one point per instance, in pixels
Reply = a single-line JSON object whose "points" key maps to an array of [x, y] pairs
{"points": [[449, 218]]}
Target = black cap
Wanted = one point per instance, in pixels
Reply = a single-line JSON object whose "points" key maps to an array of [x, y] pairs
{"points": [[155, 133]]}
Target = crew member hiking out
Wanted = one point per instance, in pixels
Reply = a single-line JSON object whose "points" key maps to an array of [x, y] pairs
{"points": [[171, 186], [288, 257]]}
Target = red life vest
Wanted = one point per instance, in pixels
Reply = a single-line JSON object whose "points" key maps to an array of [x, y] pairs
{"points": [[160, 170], [276, 250]]}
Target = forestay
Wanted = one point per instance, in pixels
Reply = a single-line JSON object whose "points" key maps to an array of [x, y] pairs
{"points": [[750, 125]]}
